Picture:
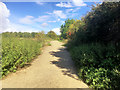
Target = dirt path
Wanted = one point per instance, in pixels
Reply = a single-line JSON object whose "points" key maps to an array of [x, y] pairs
{"points": [[53, 69]]}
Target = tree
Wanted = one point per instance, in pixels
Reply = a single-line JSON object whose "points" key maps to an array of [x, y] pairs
{"points": [[102, 22], [40, 36], [64, 28], [52, 34], [73, 28]]}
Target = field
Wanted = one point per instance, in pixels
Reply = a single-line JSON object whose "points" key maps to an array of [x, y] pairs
{"points": [[18, 52]]}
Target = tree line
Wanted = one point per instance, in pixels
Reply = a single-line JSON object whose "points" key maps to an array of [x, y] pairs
{"points": [[101, 24], [50, 34]]}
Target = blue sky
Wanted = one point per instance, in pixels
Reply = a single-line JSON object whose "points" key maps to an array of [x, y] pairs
{"points": [[46, 16]]}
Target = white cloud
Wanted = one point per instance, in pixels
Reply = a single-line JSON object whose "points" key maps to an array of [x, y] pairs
{"points": [[7, 26], [31, 19], [44, 24], [61, 4], [100, 3], [72, 10], [60, 14], [39, 3], [4, 14], [19, 28], [57, 31], [10, 29], [42, 18], [73, 4], [51, 21], [22, 28], [49, 13], [78, 3], [68, 10], [4, 11], [57, 14], [27, 20], [76, 9], [58, 19]]}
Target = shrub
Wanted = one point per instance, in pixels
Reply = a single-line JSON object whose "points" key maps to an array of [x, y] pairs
{"points": [[98, 65]]}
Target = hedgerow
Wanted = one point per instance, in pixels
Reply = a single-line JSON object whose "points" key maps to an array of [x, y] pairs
{"points": [[98, 65], [94, 44]]}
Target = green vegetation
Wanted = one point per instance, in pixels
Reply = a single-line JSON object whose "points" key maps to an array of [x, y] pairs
{"points": [[19, 34], [52, 35], [17, 52], [94, 44], [19, 49], [98, 65], [64, 28], [49, 44]]}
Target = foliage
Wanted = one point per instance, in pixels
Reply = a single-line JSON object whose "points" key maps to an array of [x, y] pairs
{"points": [[101, 24], [95, 46], [19, 34], [17, 52], [98, 66], [49, 44], [64, 28], [52, 35], [41, 37]]}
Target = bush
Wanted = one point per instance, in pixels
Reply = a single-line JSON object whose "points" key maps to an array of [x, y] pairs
{"points": [[97, 60], [98, 65], [52, 35]]}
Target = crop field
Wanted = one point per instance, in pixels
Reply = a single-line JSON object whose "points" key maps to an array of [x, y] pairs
{"points": [[17, 52], [19, 49]]}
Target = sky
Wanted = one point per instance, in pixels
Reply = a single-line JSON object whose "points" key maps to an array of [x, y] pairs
{"points": [[40, 16]]}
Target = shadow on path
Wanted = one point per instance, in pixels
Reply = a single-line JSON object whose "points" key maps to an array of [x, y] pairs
{"points": [[64, 62]]}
